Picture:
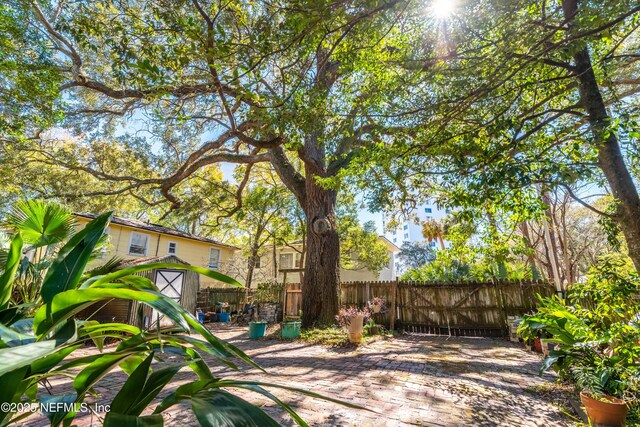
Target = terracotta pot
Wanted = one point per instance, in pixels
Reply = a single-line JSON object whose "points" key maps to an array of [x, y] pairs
{"points": [[376, 308], [613, 412], [537, 345]]}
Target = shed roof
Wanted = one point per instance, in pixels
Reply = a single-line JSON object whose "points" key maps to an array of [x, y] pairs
{"points": [[148, 260]]}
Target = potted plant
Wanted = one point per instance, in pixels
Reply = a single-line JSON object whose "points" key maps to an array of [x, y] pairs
{"points": [[353, 320], [376, 304], [595, 333], [604, 409], [290, 328]]}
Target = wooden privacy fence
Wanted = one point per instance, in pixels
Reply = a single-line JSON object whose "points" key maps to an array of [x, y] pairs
{"points": [[467, 309]]}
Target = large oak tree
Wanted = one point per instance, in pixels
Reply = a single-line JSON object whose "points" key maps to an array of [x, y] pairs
{"points": [[296, 84]]}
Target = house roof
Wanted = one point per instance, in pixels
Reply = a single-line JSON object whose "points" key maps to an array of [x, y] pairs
{"points": [[394, 248], [157, 228]]}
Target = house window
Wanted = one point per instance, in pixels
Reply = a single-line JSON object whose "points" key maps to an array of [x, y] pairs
{"points": [[395, 240], [428, 210], [214, 258], [257, 264], [173, 248], [432, 244], [429, 217], [286, 261], [406, 235], [406, 227], [138, 244]]}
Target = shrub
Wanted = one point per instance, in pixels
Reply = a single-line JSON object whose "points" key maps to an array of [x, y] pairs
{"points": [[596, 331]]}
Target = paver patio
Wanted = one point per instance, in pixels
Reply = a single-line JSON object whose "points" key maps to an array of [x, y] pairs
{"points": [[408, 380]]}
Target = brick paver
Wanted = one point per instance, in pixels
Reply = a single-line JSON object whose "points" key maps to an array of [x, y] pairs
{"points": [[409, 380]]}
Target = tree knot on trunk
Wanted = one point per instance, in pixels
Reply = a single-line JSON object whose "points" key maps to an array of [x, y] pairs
{"points": [[321, 225]]}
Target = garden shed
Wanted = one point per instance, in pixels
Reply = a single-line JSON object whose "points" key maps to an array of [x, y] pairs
{"points": [[180, 285]]}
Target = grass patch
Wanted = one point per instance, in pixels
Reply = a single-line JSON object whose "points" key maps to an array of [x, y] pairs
{"points": [[333, 336]]}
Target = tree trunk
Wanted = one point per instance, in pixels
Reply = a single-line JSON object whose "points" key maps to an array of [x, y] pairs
{"points": [[610, 157], [251, 265], [321, 284]]}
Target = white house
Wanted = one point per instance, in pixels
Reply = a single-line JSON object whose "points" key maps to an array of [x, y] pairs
{"points": [[410, 229], [290, 258]]}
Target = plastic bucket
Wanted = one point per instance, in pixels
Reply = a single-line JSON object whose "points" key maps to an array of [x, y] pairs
{"points": [[257, 329], [291, 329], [223, 317]]}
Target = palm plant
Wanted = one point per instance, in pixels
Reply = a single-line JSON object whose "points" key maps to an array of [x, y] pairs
{"points": [[432, 230], [43, 226], [37, 348]]}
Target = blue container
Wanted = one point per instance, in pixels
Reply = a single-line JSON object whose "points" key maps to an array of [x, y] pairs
{"points": [[200, 317], [223, 317]]}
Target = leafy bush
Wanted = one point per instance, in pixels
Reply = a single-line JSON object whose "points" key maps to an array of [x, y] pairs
{"points": [[269, 292], [596, 331], [346, 315], [36, 341]]}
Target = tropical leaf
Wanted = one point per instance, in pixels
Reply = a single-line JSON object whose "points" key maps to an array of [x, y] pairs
{"points": [[215, 408], [117, 275], [114, 419], [41, 223], [97, 369], [13, 358], [10, 268], [10, 383], [66, 271], [139, 390], [66, 304]]}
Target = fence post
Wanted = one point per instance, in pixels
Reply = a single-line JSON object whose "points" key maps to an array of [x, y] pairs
{"points": [[394, 291]]}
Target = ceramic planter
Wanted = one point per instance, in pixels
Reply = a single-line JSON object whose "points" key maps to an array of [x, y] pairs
{"points": [[354, 328], [291, 329], [612, 412], [257, 329]]}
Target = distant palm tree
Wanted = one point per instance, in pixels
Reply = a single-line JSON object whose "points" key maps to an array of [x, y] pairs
{"points": [[432, 230]]}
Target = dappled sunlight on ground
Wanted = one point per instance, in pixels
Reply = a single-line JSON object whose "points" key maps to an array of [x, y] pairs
{"points": [[407, 380]]}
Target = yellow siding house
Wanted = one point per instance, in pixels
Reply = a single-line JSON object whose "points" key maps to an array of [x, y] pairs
{"points": [[135, 240]]}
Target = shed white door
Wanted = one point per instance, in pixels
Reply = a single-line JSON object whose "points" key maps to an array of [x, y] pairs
{"points": [[169, 282]]}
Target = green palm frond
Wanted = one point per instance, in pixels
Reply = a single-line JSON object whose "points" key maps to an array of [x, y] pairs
{"points": [[41, 223]]}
